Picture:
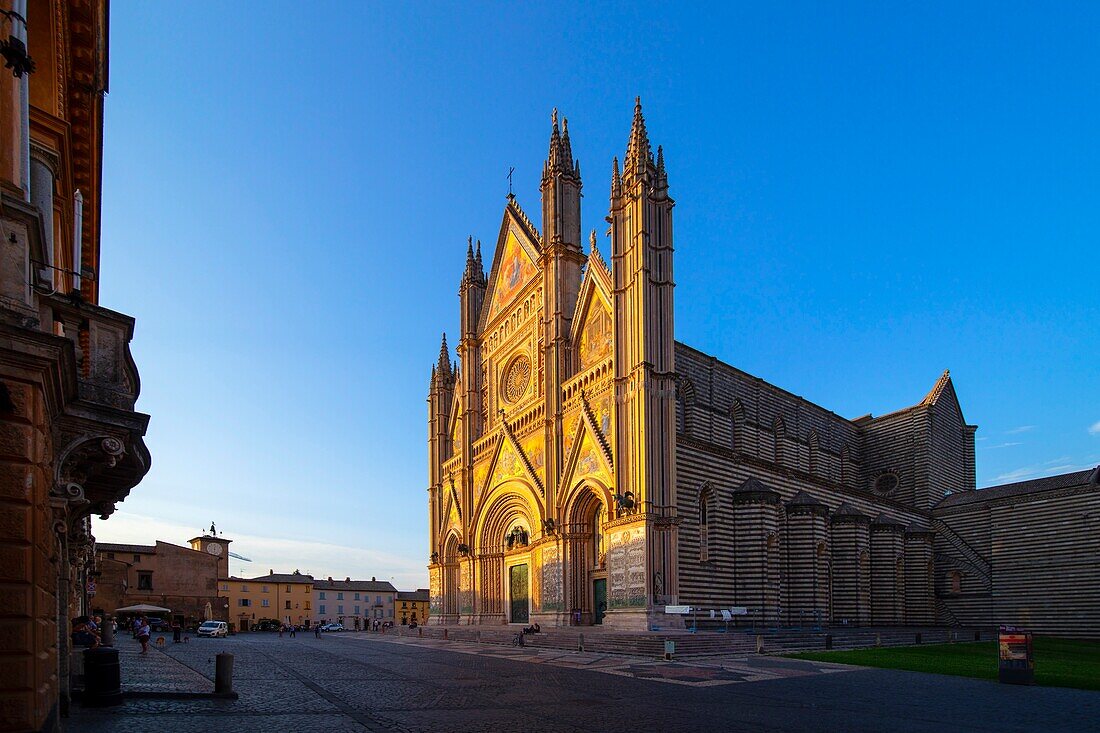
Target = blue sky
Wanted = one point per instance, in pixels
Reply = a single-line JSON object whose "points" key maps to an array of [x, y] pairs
{"points": [[867, 194]]}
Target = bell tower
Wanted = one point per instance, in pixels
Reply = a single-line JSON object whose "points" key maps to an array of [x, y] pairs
{"points": [[214, 544]]}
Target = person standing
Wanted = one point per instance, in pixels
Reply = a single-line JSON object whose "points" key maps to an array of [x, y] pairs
{"points": [[293, 630], [176, 631], [143, 633]]}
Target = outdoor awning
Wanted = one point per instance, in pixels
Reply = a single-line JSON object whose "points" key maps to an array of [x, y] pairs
{"points": [[143, 608]]}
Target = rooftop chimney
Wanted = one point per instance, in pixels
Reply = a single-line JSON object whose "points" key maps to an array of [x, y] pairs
{"points": [[372, 578], [271, 571]]}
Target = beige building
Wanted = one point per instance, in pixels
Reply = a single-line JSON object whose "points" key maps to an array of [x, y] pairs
{"points": [[284, 597], [587, 468], [353, 603]]}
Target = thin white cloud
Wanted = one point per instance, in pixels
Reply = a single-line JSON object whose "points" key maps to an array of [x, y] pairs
{"points": [[1021, 429], [320, 559], [1018, 474], [1002, 445], [1047, 469], [1094, 429]]}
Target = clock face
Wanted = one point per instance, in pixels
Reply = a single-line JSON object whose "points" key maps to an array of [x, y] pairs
{"points": [[214, 549]]}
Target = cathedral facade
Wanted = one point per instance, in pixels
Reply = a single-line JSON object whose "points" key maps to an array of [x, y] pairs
{"points": [[587, 468]]}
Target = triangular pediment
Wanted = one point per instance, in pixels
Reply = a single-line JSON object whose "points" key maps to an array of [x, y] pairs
{"points": [[515, 262], [510, 463], [588, 456], [452, 513], [592, 327]]}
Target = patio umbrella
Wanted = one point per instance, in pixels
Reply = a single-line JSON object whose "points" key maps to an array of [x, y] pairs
{"points": [[143, 608], [208, 612]]}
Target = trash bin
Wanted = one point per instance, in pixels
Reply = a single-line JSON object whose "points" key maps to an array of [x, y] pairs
{"points": [[102, 678]]}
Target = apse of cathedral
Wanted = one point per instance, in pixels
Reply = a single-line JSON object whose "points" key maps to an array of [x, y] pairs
{"points": [[587, 468]]}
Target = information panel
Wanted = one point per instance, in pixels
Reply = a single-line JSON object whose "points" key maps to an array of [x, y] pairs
{"points": [[1017, 666]]}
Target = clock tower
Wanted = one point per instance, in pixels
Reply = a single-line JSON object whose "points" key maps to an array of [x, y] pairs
{"points": [[212, 544]]}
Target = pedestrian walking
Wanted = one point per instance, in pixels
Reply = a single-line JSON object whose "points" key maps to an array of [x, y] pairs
{"points": [[143, 634], [281, 627], [177, 630], [293, 630], [317, 631]]}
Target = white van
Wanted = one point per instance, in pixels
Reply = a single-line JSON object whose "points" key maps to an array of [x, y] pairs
{"points": [[214, 628]]}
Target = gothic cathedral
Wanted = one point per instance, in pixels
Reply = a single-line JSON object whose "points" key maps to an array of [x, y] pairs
{"points": [[586, 468]]}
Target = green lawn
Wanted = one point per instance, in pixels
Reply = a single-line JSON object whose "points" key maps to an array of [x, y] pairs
{"points": [[1058, 662]]}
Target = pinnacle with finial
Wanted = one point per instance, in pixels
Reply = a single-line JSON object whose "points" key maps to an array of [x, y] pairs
{"points": [[444, 356], [616, 179], [638, 151]]}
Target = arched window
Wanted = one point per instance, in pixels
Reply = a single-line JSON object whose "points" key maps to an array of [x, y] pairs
{"points": [[737, 426], [704, 526], [814, 446], [956, 579]]}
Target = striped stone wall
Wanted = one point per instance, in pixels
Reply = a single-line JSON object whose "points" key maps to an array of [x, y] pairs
{"points": [[1026, 557]]}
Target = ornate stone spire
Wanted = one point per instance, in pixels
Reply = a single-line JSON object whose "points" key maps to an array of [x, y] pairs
{"points": [[638, 152], [616, 180], [480, 264], [444, 368], [560, 157], [470, 274]]}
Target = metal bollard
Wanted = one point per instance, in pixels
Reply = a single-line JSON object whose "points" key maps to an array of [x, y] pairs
{"points": [[444, 633], [878, 639], [759, 644], [223, 673], [106, 633], [580, 646], [977, 636], [828, 641], [420, 632], [918, 637], [102, 677]]}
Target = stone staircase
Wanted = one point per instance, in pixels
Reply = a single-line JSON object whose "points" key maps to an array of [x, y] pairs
{"points": [[739, 642]]}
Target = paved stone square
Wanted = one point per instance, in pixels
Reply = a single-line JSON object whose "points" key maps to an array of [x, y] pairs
{"points": [[356, 682]]}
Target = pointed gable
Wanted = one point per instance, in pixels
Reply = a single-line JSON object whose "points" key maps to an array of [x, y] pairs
{"points": [[943, 395], [592, 327], [514, 261]]}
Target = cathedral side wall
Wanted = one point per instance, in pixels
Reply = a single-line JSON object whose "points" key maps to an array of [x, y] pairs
{"points": [[1043, 555]]}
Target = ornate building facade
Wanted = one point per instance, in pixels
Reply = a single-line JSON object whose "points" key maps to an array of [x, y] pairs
{"points": [[70, 439], [586, 468]]}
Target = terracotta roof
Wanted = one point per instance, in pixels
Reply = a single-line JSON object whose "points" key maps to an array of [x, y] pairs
{"points": [[111, 547], [1021, 488], [379, 586], [274, 578], [420, 594]]}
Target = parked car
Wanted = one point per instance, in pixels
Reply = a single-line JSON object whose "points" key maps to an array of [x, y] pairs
{"points": [[266, 624], [214, 628], [333, 627], [158, 624]]}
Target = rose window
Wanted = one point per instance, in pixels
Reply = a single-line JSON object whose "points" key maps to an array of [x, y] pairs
{"points": [[516, 378]]}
